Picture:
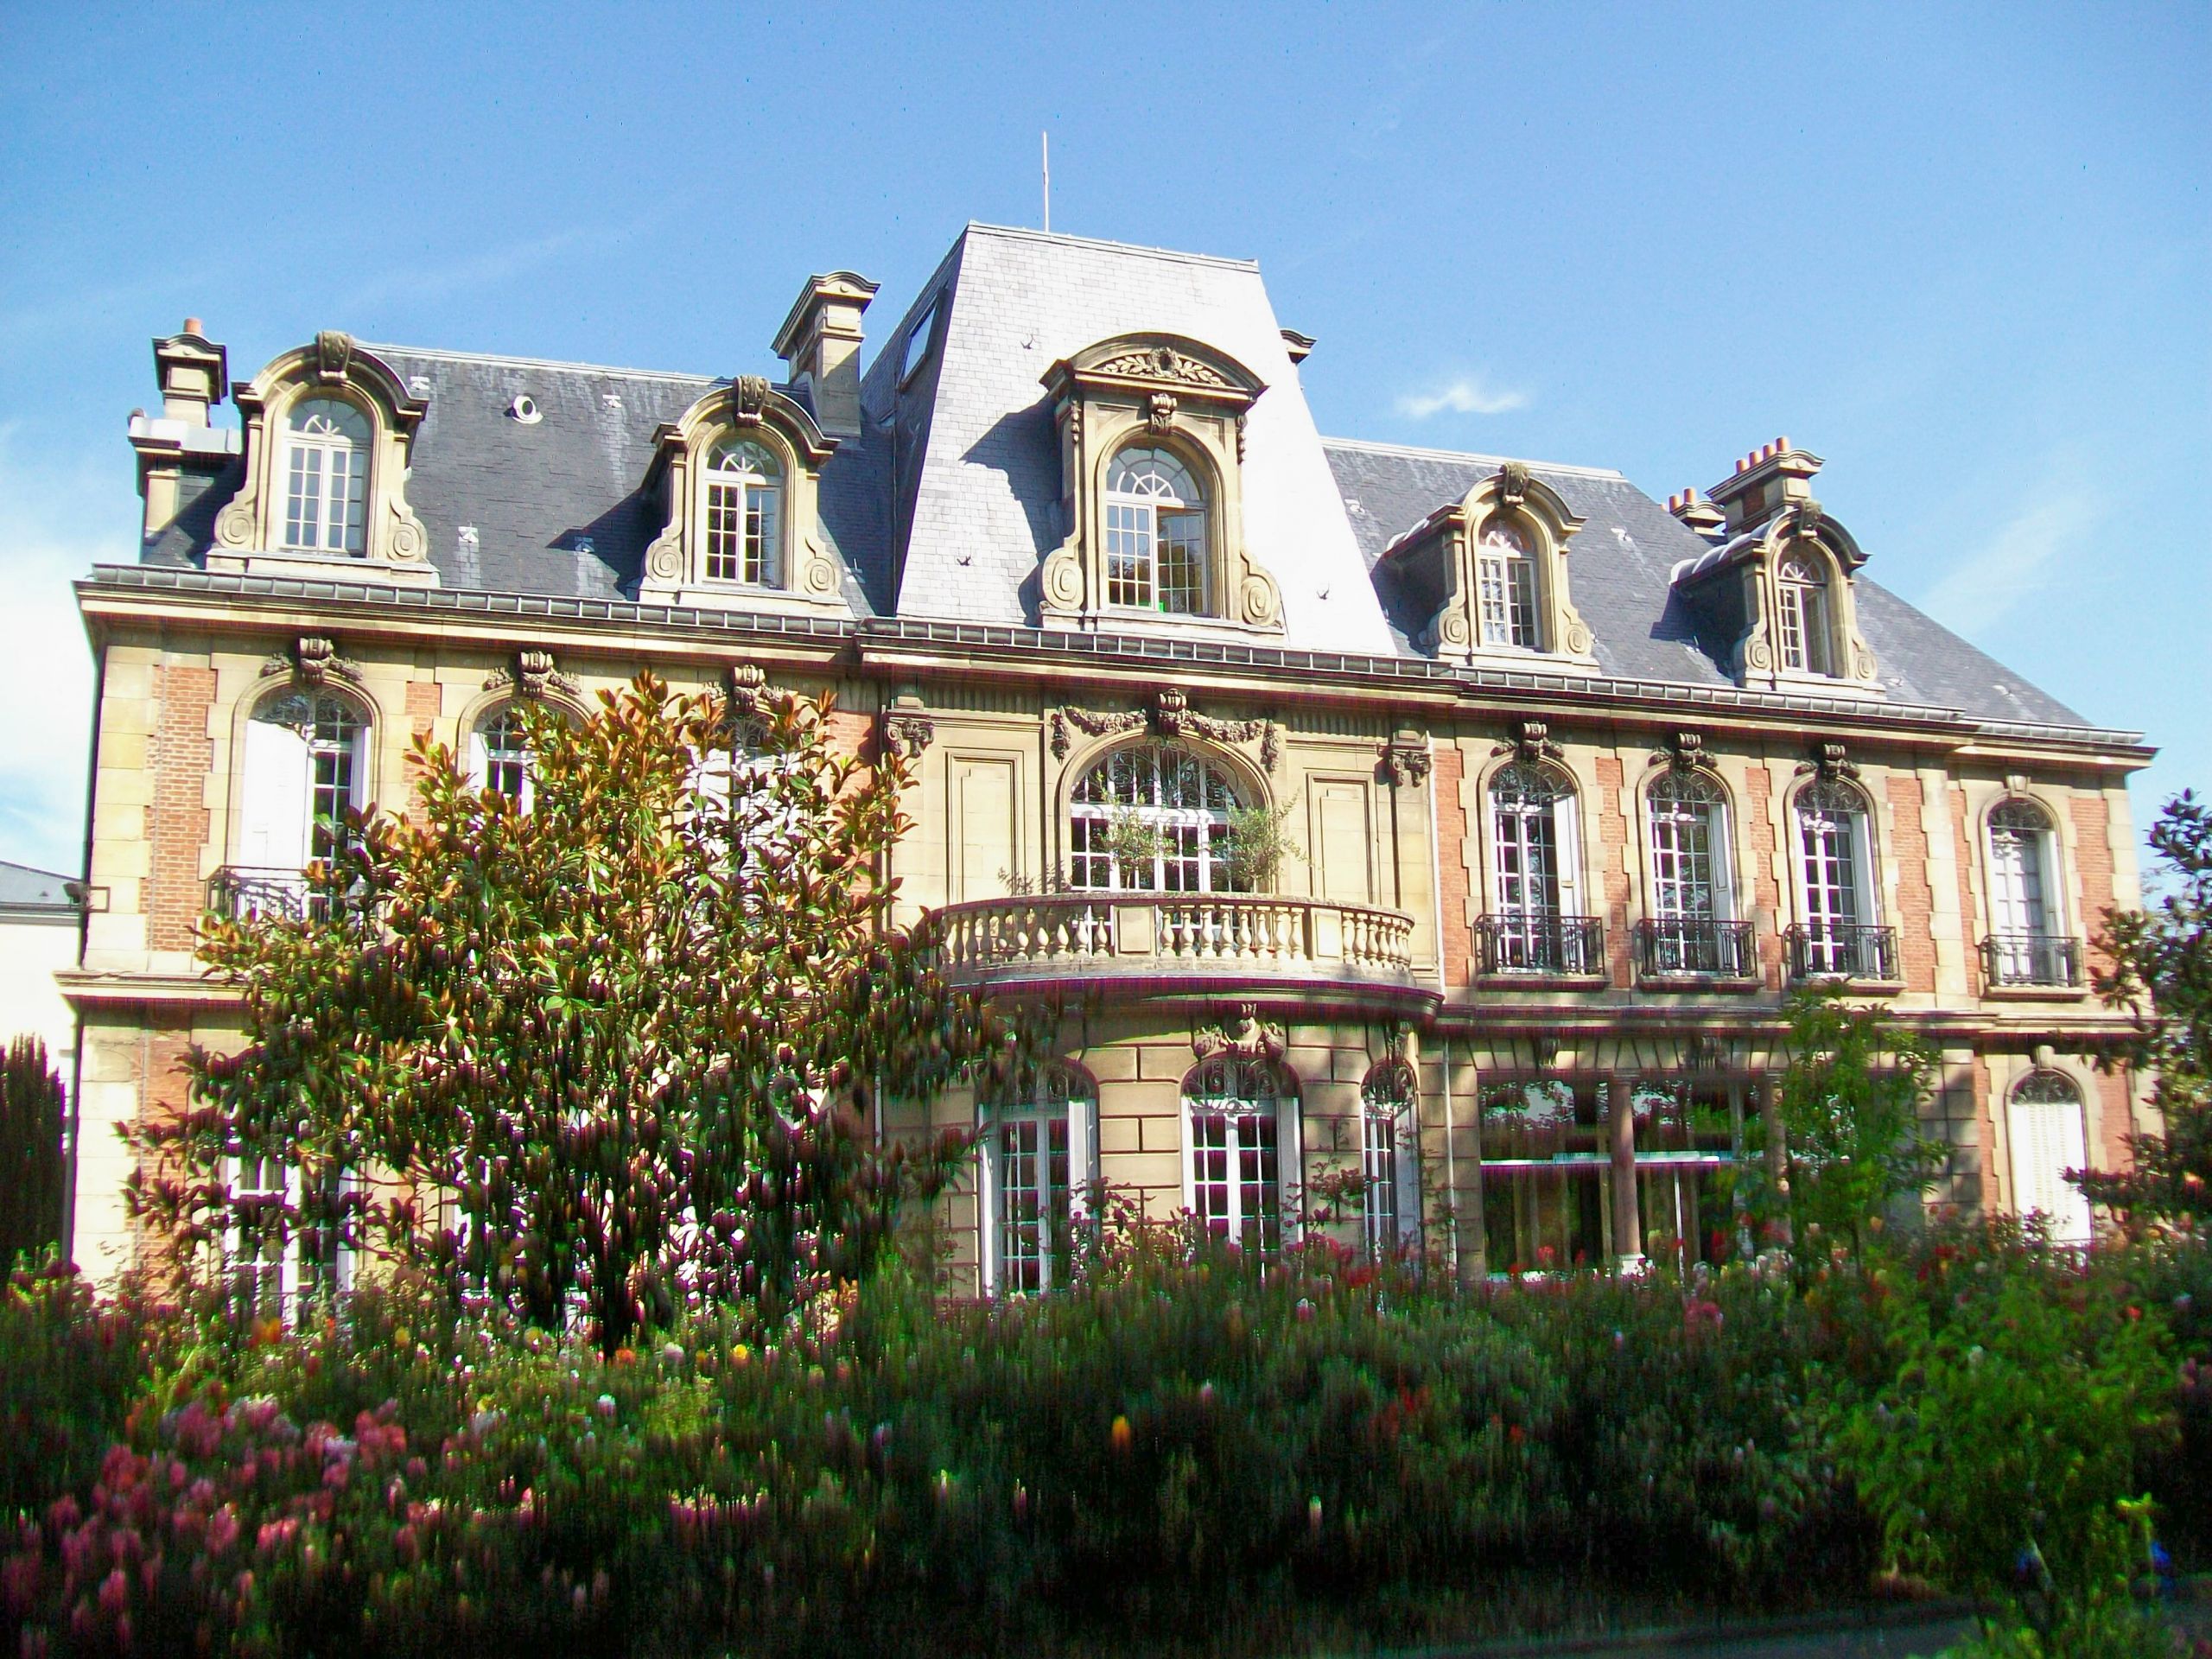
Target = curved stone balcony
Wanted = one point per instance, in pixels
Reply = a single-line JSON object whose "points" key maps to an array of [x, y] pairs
{"points": [[1176, 942]]}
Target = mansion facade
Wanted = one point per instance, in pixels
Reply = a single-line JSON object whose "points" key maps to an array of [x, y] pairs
{"points": [[1459, 822]]}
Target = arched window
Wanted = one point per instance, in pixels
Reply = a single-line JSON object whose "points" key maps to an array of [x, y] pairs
{"points": [[306, 765], [1156, 555], [744, 507], [2019, 848], [325, 476], [1506, 576], [1802, 625], [1152, 818], [2048, 1139], [499, 757], [1691, 890], [1836, 869], [1241, 1120], [1535, 865], [1038, 1143], [1391, 1214]]}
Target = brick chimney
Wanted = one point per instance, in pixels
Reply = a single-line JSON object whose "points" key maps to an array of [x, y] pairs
{"points": [[820, 344], [1773, 476], [179, 444]]}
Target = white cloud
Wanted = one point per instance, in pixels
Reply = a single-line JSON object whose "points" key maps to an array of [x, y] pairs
{"points": [[47, 539], [2022, 559], [1470, 394]]}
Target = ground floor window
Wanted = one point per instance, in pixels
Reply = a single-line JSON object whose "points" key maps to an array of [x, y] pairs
{"points": [[1036, 1141], [1390, 1210], [1548, 1176], [1240, 1120], [279, 1252]]}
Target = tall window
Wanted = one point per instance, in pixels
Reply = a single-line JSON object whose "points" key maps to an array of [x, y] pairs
{"points": [[305, 763], [2048, 1138], [273, 1266], [1036, 1155], [1506, 575], [325, 476], [1804, 621], [1391, 1212], [1833, 865], [1533, 865], [1235, 1111], [2019, 843], [1155, 534], [744, 515], [500, 753], [1152, 818], [1689, 875]]}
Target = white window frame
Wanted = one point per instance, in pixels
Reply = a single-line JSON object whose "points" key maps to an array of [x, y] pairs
{"points": [[2039, 843], [1194, 855], [279, 781], [743, 521], [1804, 627], [1390, 1157], [2047, 1123], [486, 763], [1143, 517], [1668, 889], [1508, 592], [1521, 919], [1829, 798], [1078, 1113], [1281, 1107], [326, 474]]}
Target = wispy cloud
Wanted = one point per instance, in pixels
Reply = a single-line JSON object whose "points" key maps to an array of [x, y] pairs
{"points": [[2022, 559], [494, 266], [46, 540], [1469, 394]]}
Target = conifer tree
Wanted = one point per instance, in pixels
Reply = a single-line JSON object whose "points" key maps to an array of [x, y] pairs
{"points": [[31, 1172]]}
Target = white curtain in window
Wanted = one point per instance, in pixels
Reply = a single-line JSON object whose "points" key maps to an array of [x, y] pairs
{"points": [[2048, 1139], [278, 786]]}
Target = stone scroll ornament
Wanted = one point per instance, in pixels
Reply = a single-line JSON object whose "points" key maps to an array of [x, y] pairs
{"points": [[1405, 761], [1684, 754], [1831, 761], [1172, 717], [1532, 741], [532, 675], [314, 661], [1243, 1035]]}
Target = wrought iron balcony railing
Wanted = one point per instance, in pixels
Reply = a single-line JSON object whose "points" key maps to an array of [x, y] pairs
{"points": [[1702, 947], [2051, 959], [1225, 939], [1516, 944], [239, 890], [1842, 950]]}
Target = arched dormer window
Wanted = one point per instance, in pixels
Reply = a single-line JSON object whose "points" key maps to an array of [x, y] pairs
{"points": [[1536, 924], [1039, 1137], [740, 470], [325, 476], [1151, 818], [1506, 581], [744, 500], [1157, 550], [2049, 1137], [1391, 1214], [1240, 1120], [1803, 632], [328, 433]]}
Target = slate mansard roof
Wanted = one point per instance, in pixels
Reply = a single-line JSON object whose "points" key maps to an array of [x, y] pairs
{"points": [[946, 504]]}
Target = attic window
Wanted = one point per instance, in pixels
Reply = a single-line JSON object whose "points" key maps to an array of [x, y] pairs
{"points": [[918, 339]]}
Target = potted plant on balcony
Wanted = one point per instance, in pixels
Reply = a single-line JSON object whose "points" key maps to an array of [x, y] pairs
{"points": [[1136, 845], [1258, 842]]}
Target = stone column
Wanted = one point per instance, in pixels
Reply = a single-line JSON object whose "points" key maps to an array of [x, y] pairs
{"points": [[1628, 1222], [1777, 1153]]}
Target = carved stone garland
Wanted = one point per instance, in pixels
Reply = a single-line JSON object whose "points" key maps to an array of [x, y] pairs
{"points": [[532, 676], [1685, 754], [1172, 716], [906, 729], [314, 661]]}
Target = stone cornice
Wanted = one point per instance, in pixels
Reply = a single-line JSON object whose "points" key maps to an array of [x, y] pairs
{"points": [[159, 592], [84, 989]]}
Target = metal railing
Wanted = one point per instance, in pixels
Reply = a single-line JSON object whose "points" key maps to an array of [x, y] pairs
{"points": [[1076, 934], [239, 892], [1514, 943], [1842, 950], [2031, 959], [1695, 946]]}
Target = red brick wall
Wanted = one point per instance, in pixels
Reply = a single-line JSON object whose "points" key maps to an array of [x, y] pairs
{"points": [[1916, 917], [423, 701], [2093, 857], [180, 757], [1969, 922], [1996, 1181], [1766, 892], [1612, 844], [164, 1091], [1455, 934], [2112, 1096]]}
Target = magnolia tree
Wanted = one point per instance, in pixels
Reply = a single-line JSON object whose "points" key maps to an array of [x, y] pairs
{"points": [[2162, 970], [609, 1050]]}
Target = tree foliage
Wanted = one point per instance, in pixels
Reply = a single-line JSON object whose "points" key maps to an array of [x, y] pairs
{"points": [[2162, 972], [1850, 1113], [31, 1173], [618, 1053]]}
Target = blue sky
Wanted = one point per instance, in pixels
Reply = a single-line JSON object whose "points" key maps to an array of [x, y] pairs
{"points": [[1964, 253]]}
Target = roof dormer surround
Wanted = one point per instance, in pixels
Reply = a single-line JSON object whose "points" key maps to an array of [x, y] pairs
{"points": [[1489, 574], [1165, 393], [253, 532], [798, 573]]}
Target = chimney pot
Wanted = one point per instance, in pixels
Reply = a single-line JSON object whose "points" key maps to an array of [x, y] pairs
{"points": [[820, 344], [1782, 444], [193, 326]]}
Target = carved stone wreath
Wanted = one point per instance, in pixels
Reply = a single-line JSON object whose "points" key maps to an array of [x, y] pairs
{"points": [[314, 661], [1243, 1035], [1162, 363]]}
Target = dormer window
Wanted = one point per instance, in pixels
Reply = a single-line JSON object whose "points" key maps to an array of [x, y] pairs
{"points": [[326, 476], [1155, 534], [1508, 581], [744, 529], [1802, 618]]}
